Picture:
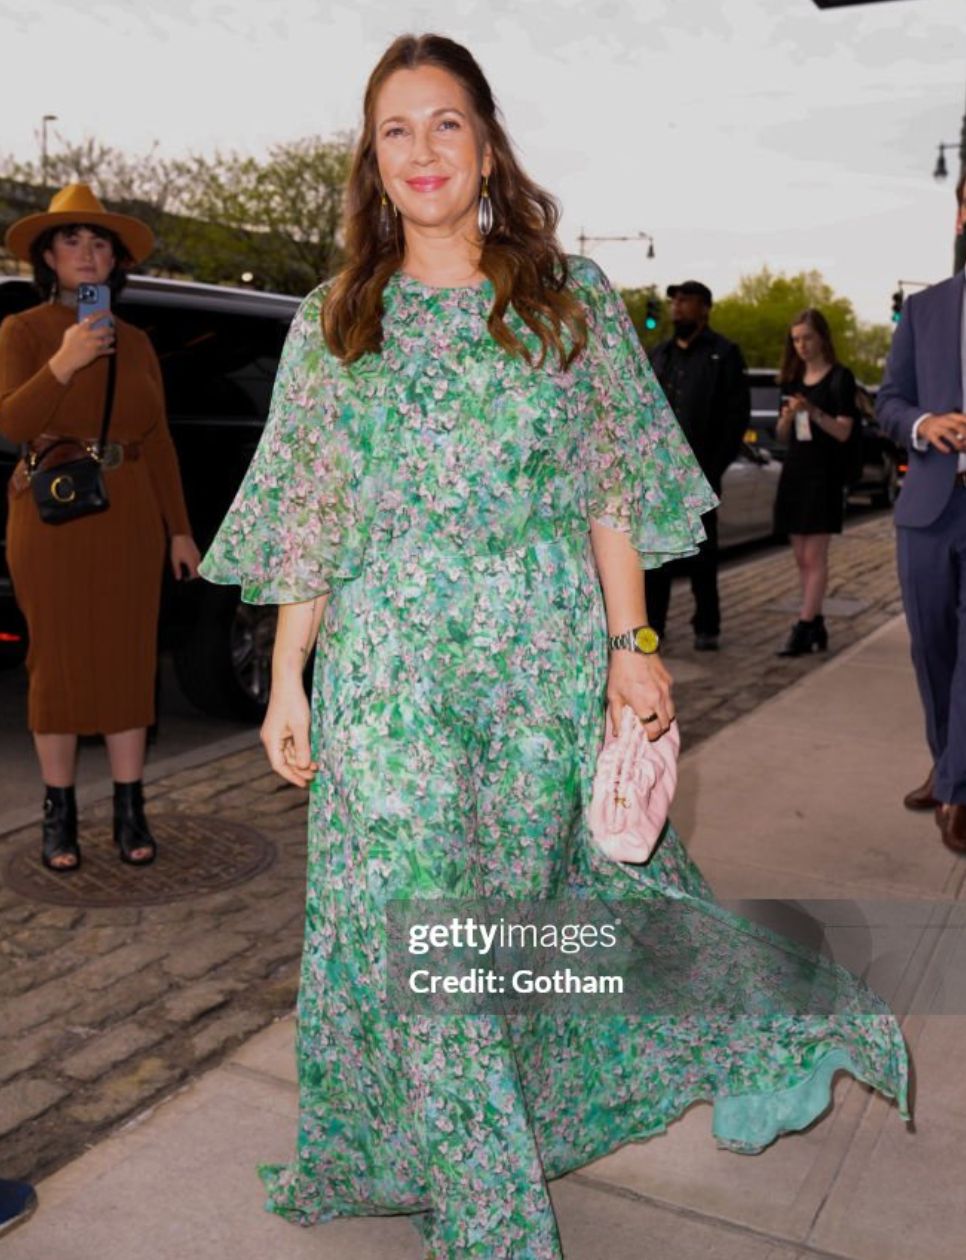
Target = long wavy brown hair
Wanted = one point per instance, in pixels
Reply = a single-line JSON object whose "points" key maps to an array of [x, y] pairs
{"points": [[521, 255], [793, 366]]}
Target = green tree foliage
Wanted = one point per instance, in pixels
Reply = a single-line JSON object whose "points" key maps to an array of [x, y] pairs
{"points": [[867, 352], [757, 315], [279, 217], [216, 218]]}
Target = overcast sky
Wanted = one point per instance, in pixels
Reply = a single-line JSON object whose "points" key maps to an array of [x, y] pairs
{"points": [[737, 132]]}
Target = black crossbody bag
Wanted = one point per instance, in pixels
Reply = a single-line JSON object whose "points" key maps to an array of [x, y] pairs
{"points": [[73, 488]]}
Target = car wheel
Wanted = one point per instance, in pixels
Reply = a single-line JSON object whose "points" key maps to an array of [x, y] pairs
{"points": [[888, 491], [224, 663]]}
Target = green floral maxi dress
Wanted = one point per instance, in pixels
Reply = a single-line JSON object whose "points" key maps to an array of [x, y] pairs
{"points": [[441, 493]]}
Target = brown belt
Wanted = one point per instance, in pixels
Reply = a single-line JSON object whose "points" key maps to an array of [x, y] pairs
{"points": [[113, 455]]}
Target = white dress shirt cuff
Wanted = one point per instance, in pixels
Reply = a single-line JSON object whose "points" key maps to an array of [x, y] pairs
{"points": [[918, 445]]}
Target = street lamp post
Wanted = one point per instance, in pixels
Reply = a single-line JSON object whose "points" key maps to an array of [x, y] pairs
{"points": [[47, 118], [941, 172], [584, 240]]}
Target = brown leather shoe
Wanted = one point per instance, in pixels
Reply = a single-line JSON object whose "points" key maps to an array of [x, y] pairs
{"points": [[951, 820], [921, 797]]}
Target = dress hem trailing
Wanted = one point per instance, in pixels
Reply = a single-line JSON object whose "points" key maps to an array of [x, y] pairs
{"points": [[746, 1124]]}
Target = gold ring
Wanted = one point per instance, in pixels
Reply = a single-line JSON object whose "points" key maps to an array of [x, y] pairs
{"points": [[651, 717]]}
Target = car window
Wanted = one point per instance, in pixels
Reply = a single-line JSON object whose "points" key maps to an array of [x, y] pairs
{"points": [[765, 398], [16, 296], [214, 364]]}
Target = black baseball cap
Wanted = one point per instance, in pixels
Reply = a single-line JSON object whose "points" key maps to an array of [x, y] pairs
{"points": [[692, 288]]}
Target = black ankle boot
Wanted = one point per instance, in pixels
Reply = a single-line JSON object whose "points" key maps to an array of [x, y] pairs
{"points": [[805, 637], [130, 826], [60, 830]]}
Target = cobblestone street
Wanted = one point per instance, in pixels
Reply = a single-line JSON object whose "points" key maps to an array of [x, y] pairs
{"points": [[107, 1009]]}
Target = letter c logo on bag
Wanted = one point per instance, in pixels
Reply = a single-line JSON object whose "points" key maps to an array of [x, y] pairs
{"points": [[62, 489]]}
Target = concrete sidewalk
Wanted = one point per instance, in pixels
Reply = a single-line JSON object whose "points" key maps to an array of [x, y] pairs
{"points": [[798, 799]]}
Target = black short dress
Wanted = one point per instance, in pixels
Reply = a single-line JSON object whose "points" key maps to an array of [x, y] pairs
{"points": [[810, 496]]}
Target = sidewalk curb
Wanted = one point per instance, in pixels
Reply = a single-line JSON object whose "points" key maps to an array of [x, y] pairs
{"points": [[840, 658]]}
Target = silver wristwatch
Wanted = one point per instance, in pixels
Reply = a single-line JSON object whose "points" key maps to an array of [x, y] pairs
{"points": [[638, 639]]}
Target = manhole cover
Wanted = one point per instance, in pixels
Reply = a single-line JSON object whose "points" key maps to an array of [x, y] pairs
{"points": [[197, 854]]}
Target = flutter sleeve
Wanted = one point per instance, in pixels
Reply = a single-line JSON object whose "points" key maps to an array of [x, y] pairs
{"points": [[294, 526], [642, 477]]}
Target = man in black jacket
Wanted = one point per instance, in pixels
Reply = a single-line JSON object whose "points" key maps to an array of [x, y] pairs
{"points": [[703, 376]]}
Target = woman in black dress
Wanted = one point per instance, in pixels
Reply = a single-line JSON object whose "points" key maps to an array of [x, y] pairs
{"points": [[816, 420]]}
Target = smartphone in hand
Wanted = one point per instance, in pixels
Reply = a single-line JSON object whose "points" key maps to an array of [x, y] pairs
{"points": [[94, 299]]}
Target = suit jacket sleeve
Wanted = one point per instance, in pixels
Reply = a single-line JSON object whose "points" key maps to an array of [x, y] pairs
{"points": [[897, 406], [734, 413]]}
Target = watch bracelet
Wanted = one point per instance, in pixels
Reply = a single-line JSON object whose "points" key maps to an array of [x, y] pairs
{"points": [[626, 640]]}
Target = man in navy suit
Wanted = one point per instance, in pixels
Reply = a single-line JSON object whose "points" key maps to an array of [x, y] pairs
{"points": [[920, 405]]}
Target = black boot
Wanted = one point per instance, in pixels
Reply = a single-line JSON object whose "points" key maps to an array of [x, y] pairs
{"points": [[130, 826], [805, 637], [60, 830]]}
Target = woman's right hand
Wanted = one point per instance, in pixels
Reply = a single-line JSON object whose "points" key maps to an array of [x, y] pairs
{"points": [[786, 418], [285, 734], [82, 344]]}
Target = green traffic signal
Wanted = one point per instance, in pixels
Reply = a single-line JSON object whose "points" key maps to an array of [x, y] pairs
{"points": [[652, 314], [897, 299]]}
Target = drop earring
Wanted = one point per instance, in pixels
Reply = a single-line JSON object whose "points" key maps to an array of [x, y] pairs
{"points": [[484, 214], [387, 216]]}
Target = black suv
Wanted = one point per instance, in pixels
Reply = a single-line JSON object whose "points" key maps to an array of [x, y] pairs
{"points": [[219, 351]]}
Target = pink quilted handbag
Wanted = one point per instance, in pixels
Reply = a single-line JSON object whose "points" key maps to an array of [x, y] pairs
{"points": [[633, 787]]}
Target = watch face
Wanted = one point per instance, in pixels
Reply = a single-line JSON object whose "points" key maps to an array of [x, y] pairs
{"points": [[646, 639]]}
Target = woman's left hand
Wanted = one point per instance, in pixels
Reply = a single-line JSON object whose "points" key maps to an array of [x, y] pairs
{"points": [[640, 681], [185, 556]]}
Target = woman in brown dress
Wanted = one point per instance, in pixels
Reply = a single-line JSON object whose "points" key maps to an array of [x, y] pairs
{"points": [[90, 588]]}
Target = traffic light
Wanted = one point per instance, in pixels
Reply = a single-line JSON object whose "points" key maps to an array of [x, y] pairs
{"points": [[652, 314], [896, 306]]}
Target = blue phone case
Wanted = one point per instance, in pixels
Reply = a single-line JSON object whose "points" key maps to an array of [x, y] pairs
{"points": [[93, 299]]}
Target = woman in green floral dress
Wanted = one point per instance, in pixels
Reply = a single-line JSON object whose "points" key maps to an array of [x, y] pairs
{"points": [[467, 465]]}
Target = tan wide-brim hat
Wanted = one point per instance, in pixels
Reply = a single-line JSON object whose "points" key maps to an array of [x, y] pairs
{"points": [[77, 204]]}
